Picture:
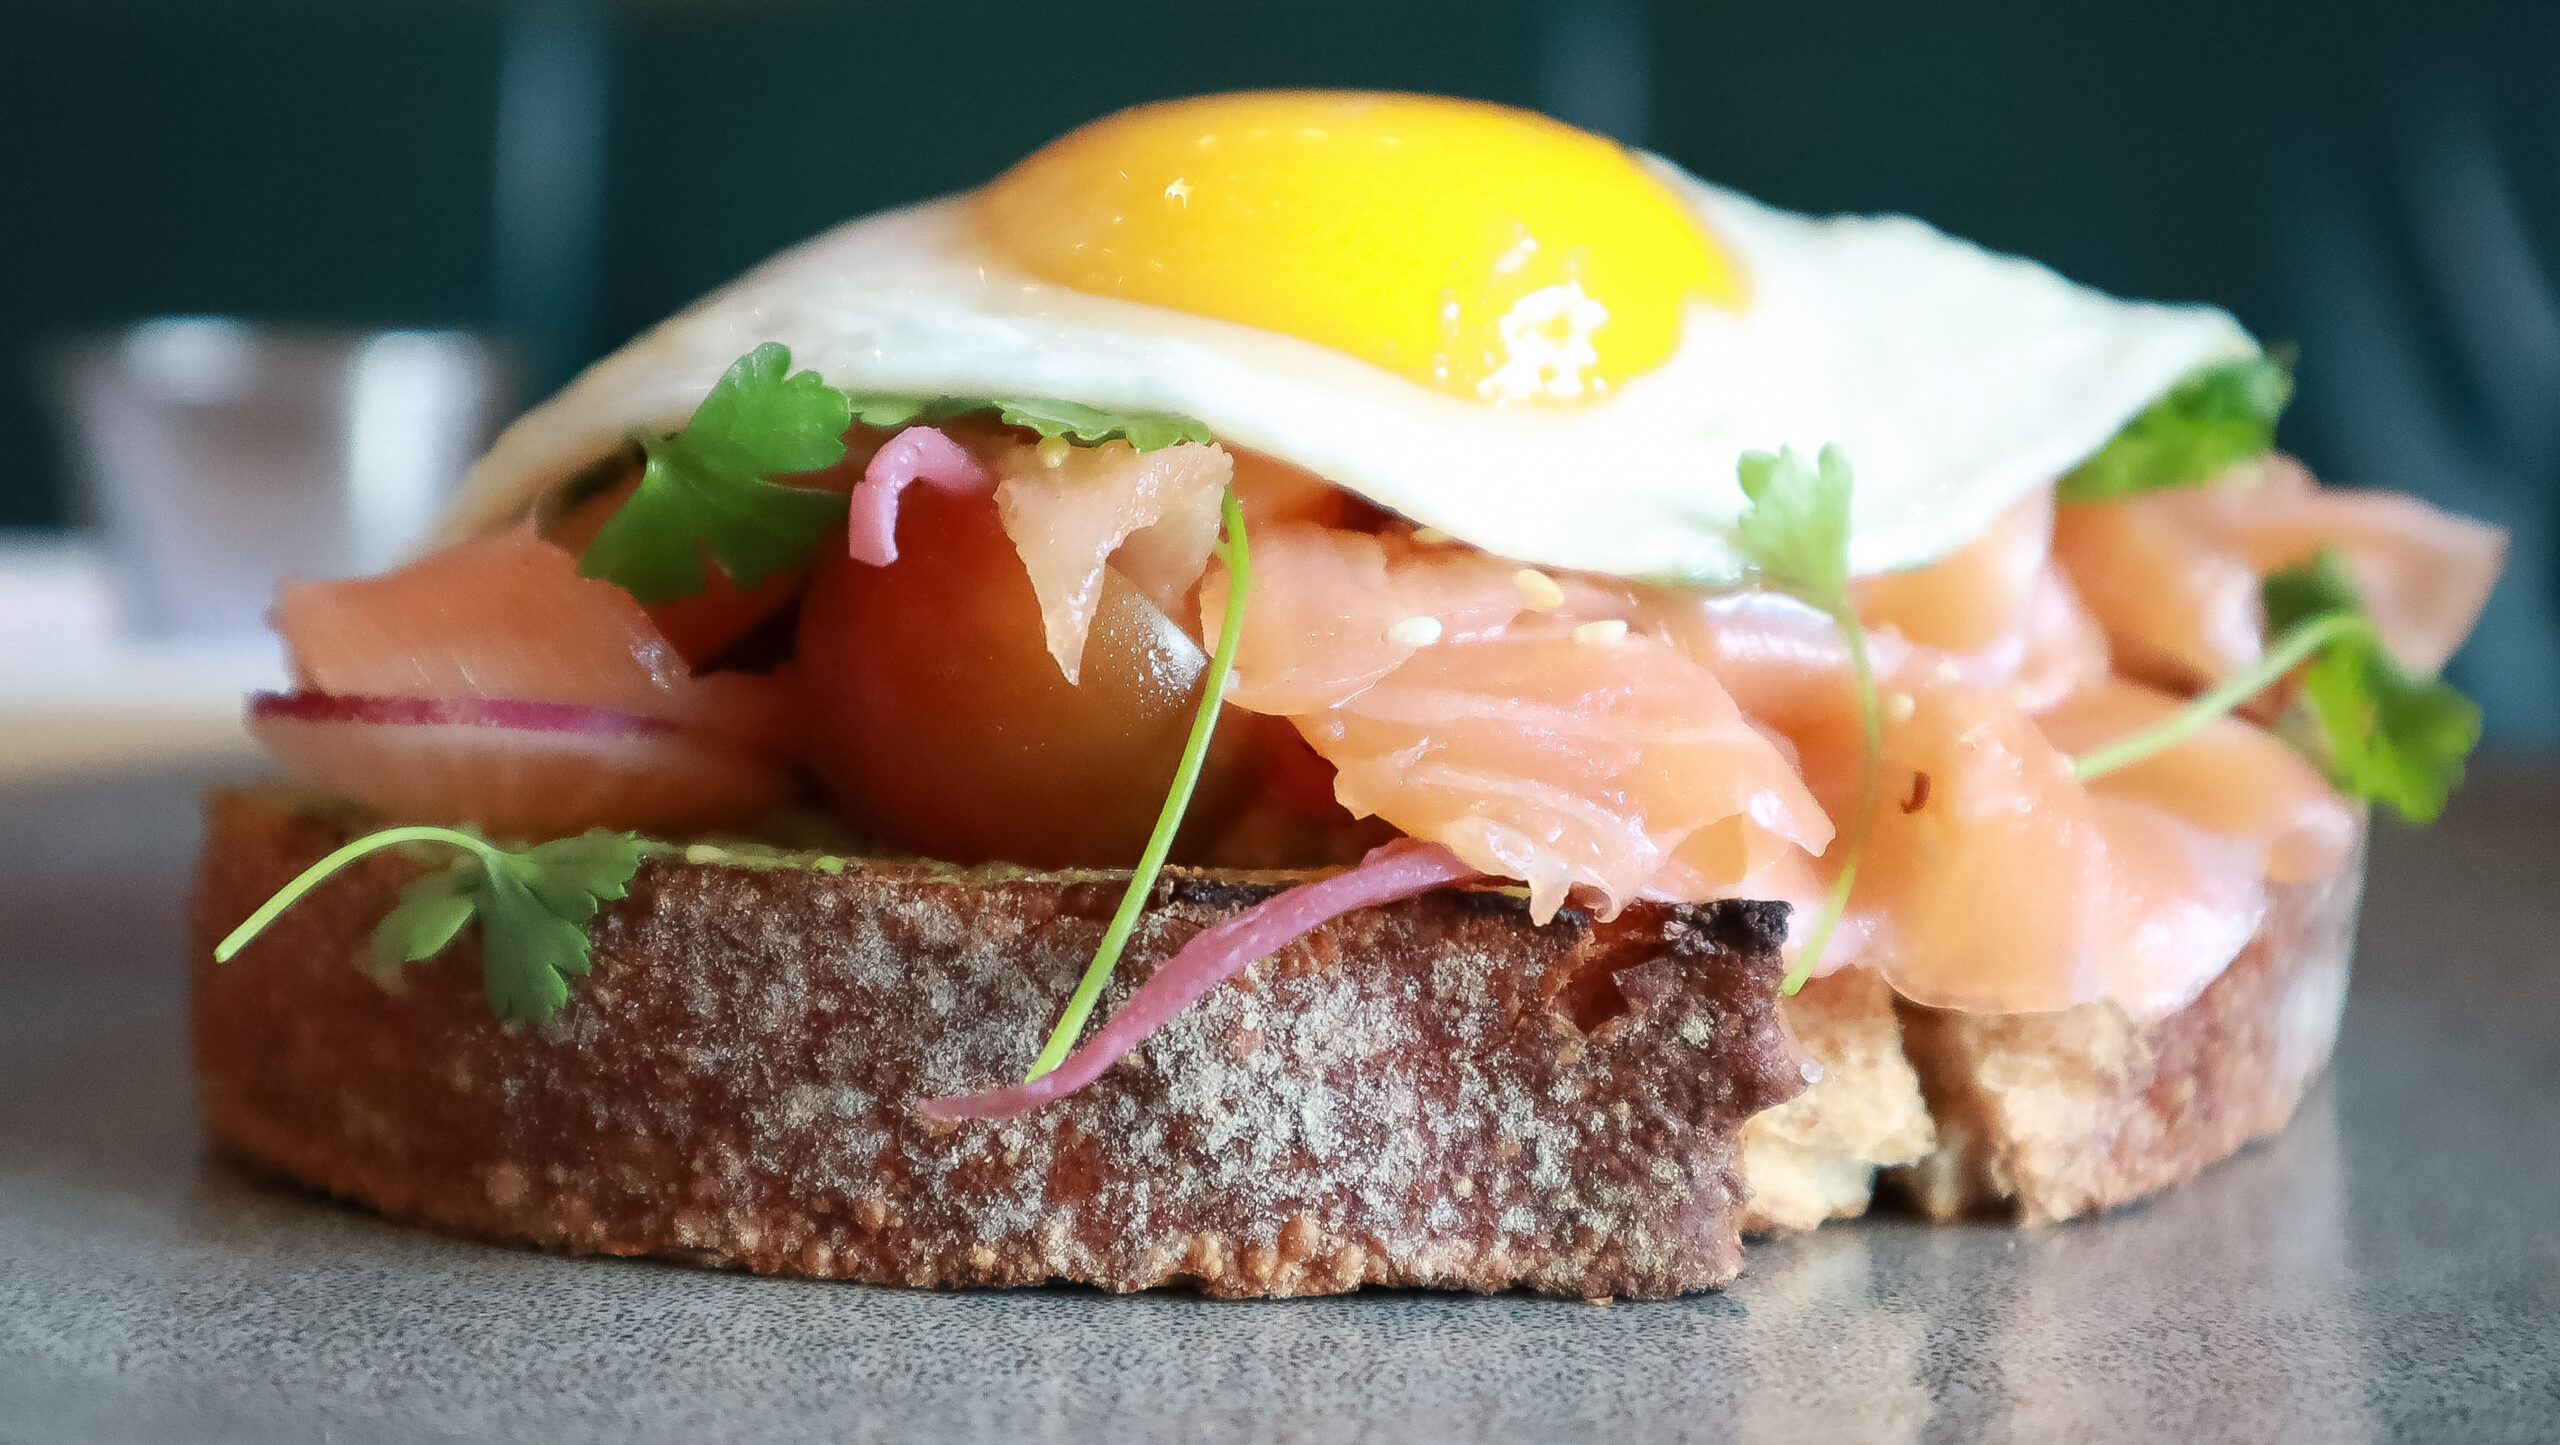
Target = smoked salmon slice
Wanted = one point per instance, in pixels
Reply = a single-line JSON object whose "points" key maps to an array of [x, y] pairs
{"points": [[507, 616], [2180, 611], [1152, 516], [1995, 882], [1455, 708], [1974, 599], [2233, 778], [2425, 573], [519, 770], [2173, 575]]}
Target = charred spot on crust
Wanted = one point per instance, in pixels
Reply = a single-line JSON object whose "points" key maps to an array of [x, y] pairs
{"points": [[1201, 891], [1735, 925]]}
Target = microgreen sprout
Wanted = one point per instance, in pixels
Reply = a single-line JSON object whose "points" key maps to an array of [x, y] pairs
{"points": [[1796, 536], [1237, 555]]}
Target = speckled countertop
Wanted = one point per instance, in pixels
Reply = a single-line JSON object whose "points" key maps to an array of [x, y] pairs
{"points": [[2389, 1267]]}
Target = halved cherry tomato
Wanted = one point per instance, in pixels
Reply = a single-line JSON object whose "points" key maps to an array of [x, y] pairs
{"points": [[939, 720]]}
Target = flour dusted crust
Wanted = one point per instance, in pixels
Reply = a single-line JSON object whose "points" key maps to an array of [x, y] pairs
{"points": [[1429, 1093]]}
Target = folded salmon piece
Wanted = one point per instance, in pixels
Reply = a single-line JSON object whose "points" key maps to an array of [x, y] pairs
{"points": [[2173, 574], [507, 616], [1471, 706]]}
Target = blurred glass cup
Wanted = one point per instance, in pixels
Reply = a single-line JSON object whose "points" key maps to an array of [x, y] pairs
{"points": [[217, 458]]}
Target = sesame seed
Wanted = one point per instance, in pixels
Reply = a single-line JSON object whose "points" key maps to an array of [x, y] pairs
{"points": [[1899, 706], [1415, 632], [1537, 589], [1600, 633], [1431, 536], [1053, 451]]}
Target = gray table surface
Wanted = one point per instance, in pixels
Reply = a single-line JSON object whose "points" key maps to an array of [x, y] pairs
{"points": [[2389, 1267]]}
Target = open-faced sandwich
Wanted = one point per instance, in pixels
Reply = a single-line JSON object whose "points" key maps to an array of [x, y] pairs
{"points": [[1319, 689]]}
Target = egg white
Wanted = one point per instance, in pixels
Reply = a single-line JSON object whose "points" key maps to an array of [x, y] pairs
{"points": [[1956, 380]]}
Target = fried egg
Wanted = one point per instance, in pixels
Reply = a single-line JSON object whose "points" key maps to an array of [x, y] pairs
{"points": [[1529, 337]]}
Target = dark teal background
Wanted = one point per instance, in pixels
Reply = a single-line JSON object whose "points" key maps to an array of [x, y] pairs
{"points": [[297, 160]]}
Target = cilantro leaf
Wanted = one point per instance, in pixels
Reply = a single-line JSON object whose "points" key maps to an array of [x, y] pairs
{"points": [[707, 489], [2387, 735], [1795, 534], [432, 909], [2220, 415], [2295, 595], [1796, 531], [1146, 431], [527, 952], [572, 876], [533, 905]]}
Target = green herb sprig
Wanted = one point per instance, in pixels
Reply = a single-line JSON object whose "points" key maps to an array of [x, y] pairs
{"points": [[1235, 551], [707, 490], [2378, 731], [1146, 431], [533, 905], [2221, 415], [708, 487], [1795, 535]]}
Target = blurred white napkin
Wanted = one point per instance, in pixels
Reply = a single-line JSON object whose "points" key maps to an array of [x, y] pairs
{"points": [[78, 696]]}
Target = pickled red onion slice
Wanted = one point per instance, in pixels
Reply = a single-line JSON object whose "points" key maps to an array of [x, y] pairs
{"points": [[1395, 870], [918, 454]]}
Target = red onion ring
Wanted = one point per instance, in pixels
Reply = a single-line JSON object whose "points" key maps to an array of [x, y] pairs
{"points": [[491, 712]]}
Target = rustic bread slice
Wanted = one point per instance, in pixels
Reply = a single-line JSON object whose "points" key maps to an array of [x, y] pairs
{"points": [[1429, 1093], [2043, 1117]]}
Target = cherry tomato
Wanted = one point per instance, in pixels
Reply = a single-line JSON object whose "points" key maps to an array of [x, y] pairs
{"points": [[940, 722]]}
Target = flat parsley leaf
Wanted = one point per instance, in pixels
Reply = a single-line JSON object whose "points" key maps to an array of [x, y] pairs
{"points": [[707, 488], [2295, 595], [2220, 415], [1146, 431], [533, 906], [432, 909], [2386, 735], [1796, 531]]}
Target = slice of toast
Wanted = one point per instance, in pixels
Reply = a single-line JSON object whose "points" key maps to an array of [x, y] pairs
{"points": [[2040, 1117], [1431, 1093]]}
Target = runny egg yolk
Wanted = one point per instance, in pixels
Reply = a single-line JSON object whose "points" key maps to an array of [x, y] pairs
{"points": [[1492, 253]]}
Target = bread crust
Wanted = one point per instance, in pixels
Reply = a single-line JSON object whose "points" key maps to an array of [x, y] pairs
{"points": [[1429, 1093], [2048, 1116], [2041, 1117]]}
